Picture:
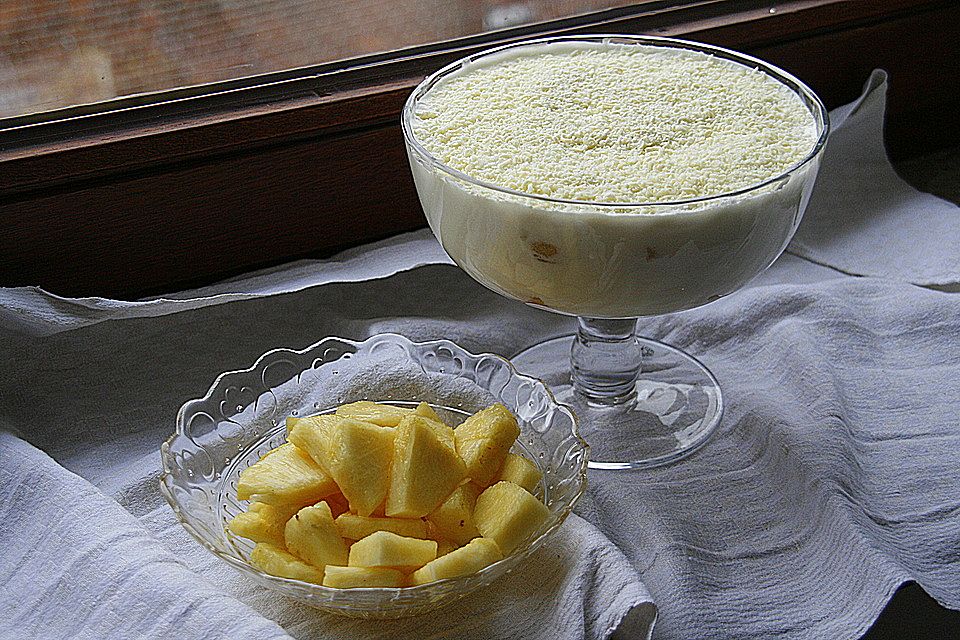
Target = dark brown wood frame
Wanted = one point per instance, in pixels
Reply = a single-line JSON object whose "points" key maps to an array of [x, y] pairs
{"points": [[154, 197]]}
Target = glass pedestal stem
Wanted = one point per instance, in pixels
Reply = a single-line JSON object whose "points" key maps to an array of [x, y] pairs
{"points": [[632, 419], [606, 358]]}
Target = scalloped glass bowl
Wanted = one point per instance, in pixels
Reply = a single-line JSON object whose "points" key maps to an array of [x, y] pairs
{"points": [[243, 415]]}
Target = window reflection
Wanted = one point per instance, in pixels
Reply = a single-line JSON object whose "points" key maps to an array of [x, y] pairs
{"points": [[59, 53]]}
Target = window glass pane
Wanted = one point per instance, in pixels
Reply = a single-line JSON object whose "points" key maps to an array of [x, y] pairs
{"points": [[62, 53]]}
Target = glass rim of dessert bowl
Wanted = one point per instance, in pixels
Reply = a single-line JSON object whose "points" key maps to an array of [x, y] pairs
{"points": [[242, 416], [676, 207], [611, 398]]}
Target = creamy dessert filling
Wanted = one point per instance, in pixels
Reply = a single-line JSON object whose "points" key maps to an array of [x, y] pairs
{"points": [[561, 141], [614, 123]]}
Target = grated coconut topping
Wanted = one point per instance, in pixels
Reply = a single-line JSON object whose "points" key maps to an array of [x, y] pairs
{"points": [[615, 124]]}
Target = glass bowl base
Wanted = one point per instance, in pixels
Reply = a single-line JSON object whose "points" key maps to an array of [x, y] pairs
{"points": [[677, 407]]}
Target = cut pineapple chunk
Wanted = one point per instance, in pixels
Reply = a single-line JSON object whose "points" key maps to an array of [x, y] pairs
{"points": [[430, 419], [354, 527], [426, 468], [509, 514], [385, 415], [263, 522], [483, 441], [312, 536], [358, 577], [443, 432], [445, 546], [313, 435], [453, 519], [277, 562], [361, 455], [426, 411], [286, 475], [386, 549], [520, 471], [476, 555], [357, 454]]}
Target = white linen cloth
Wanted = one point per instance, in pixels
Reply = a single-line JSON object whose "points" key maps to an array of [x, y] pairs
{"points": [[833, 478], [863, 219]]}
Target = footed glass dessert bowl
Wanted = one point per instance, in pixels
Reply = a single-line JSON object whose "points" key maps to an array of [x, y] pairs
{"points": [[243, 416], [611, 177]]}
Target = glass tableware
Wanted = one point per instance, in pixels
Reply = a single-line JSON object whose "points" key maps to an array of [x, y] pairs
{"points": [[640, 402], [243, 416]]}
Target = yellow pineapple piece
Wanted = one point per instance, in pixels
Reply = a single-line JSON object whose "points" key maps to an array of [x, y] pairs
{"points": [[263, 522], [286, 475], [361, 455], [453, 519], [443, 433], [312, 536], [426, 468], [387, 549], [520, 471], [472, 557], [313, 435], [385, 415], [426, 411], [357, 454], [430, 419], [445, 546], [278, 562], [483, 441], [354, 527], [509, 515], [432, 532], [359, 577]]}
